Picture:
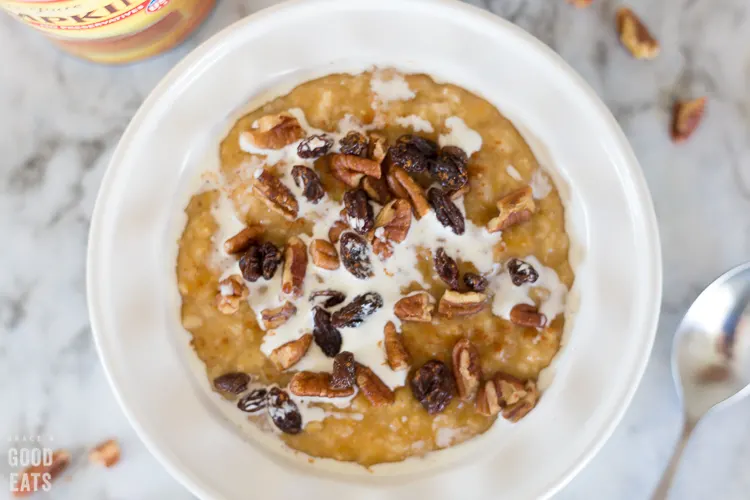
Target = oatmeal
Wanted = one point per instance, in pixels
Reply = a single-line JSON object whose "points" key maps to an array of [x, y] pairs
{"points": [[378, 270]]}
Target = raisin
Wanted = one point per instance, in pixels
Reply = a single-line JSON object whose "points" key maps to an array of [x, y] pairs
{"points": [[308, 180], [432, 385], [413, 153], [283, 411], [354, 144], [355, 312], [475, 282], [326, 336], [355, 256], [253, 402], [358, 211], [450, 168], [521, 272], [271, 259], [334, 298], [314, 146], [446, 268], [232, 383], [251, 263], [446, 211], [344, 371]]}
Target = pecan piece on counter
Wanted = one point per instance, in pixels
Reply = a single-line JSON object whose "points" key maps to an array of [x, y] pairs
{"points": [[454, 303], [686, 116], [106, 453], [231, 291], [306, 179], [335, 232], [324, 254], [507, 394], [466, 369], [289, 354], [344, 371], [635, 36], [395, 351], [314, 146], [356, 311], [254, 401], [316, 384], [395, 219], [521, 272], [354, 143], [333, 298], [350, 169], [277, 316], [412, 153], [446, 211], [275, 195], [283, 411], [475, 282], [450, 168], [358, 210], [295, 266], [378, 148], [515, 208], [242, 240], [376, 189], [374, 389], [432, 385], [326, 335], [414, 192], [446, 268], [415, 307], [232, 383], [528, 316], [355, 255], [27, 480], [275, 131]]}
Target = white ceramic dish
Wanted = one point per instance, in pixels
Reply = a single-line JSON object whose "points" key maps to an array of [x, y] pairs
{"points": [[132, 293]]}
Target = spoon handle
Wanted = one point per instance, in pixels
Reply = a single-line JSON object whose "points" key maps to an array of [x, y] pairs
{"points": [[662, 490]]}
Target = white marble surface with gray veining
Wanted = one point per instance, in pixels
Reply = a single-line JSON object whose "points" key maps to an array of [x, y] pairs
{"points": [[61, 119]]}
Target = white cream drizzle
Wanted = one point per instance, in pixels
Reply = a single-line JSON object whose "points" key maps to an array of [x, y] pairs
{"points": [[395, 89], [415, 122], [461, 136], [540, 184], [513, 172]]}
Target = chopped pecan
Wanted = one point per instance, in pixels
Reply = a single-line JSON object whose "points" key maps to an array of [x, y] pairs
{"points": [[344, 371], [295, 266], [289, 354], [275, 195], [306, 179], [466, 369], [635, 36], [382, 248], [324, 254], [358, 210], [378, 147], [275, 131], [517, 411], [515, 208], [488, 403], [274, 318], [106, 453], [231, 291], [28, 481], [395, 351], [507, 394], [527, 315], [461, 304], [686, 116], [350, 169], [394, 185], [395, 219], [446, 268], [374, 389], [376, 189], [317, 385], [335, 232], [242, 240], [413, 191], [415, 307]]}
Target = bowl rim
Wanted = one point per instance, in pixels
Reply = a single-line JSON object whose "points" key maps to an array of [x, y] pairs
{"points": [[195, 58]]}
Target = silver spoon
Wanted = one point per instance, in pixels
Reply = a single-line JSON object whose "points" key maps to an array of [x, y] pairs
{"points": [[711, 356]]}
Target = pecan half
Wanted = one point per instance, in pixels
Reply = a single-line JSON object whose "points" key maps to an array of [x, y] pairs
{"points": [[295, 266], [527, 315], [378, 147], [376, 189], [374, 389], [106, 453], [276, 195], [508, 394], [306, 179], [335, 232], [413, 191], [242, 240], [275, 131], [28, 482], [466, 369], [488, 403], [289, 354], [394, 185], [635, 36], [686, 116], [515, 208], [324, 254], [231, 291], [461, 304], [317, 385], [350, 169], [274, 318], [395, 351], [415, 307]]}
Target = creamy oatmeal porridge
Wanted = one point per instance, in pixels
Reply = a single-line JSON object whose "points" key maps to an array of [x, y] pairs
{"points": [[378, 269]]}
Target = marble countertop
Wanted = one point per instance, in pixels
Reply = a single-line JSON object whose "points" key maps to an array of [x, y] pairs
{"points": [[61, 119]]}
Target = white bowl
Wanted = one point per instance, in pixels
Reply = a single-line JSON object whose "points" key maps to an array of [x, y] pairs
{"points": [[134, 304]]}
